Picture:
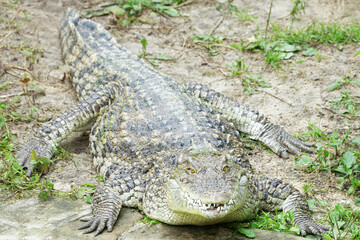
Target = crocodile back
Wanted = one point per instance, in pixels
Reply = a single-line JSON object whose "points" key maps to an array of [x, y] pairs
{"points": [[151, 116]]}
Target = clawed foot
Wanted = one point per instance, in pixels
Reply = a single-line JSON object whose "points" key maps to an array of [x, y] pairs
{"points": [[97, 223], [106, 205], [293, 145], [311, 227], [42, 149]]}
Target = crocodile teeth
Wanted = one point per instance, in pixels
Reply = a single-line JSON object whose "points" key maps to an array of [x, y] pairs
{"points": [[217, 207]]}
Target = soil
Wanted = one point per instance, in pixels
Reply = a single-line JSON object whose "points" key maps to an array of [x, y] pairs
{"points": [[298, 94]]}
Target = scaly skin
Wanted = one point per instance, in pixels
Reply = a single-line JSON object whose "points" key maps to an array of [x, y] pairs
{"points": [[160, 146]]}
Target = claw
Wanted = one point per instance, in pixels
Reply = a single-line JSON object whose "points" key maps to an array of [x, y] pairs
{"points": [[284, 154], [86, 225], [97, 224], [110, 224], [312, 227], [93, 226], [290, 144], [29, 170], [86, 218], [100, 228]]}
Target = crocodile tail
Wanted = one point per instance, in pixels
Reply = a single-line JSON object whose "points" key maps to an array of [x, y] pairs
{"points": [[70, 15]]}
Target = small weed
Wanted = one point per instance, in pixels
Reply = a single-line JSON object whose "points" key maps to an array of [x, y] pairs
{"points": [[14, 179], [144, 44], [357, 53], [10, 114], [205, 38], [208, 42], [40, 163], [242, 228], [319, 56], [242, 14], [149, 221], [46, 189], [130, 10], [10, 4], [346, 223], [344, 220], [152, 60], [281, 43], [242, 46], [306, 189], [277, 222], [348, 104], [239, 67], [12, 176], [345, 81], [335, 153], [317, 33], [229, 8], [299, 6], [309, 52], [31, 52], [253, 84], [275, 52], [84, 191]]}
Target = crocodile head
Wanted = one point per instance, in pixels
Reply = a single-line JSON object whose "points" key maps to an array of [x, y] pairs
{"points": [[207, 189]]}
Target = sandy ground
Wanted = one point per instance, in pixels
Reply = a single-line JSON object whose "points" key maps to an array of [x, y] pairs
{"points": [[300, 88]]}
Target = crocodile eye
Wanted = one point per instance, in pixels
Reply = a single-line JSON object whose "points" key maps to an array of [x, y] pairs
{"points": [[190, 170], [226, 168]]}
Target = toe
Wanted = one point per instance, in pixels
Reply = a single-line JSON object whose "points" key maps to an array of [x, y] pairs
{"points": [[86, 218], [86, 225], [100, 228], [110, 224], [93, 226]]}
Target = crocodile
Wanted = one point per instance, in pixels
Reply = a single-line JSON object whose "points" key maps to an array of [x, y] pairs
{"points": [[172, 150]]}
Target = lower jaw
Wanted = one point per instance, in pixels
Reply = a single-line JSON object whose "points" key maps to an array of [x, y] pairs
{"points": [[213, 214], [198, 220]]}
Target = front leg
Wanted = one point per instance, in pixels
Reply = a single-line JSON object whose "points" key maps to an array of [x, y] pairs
{"points": [[124, 187], [274, 194], [51, 133], [249, 121], [106, 205]]}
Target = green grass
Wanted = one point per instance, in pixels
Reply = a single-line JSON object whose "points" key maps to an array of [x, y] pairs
{"points": [[347, 104], [130, 10], [31, 52], [229, 9], [278, 222], [298, 8], [149, 221], [317, 33], [345, 81], [282, 42], [242, 14], [336, 153], [253, 84], [12, 176], [343, 220], [151, 59], [208, 42], [238, 67]]}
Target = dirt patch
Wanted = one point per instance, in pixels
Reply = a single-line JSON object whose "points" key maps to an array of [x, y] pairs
{"points": [[298, 94]]}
